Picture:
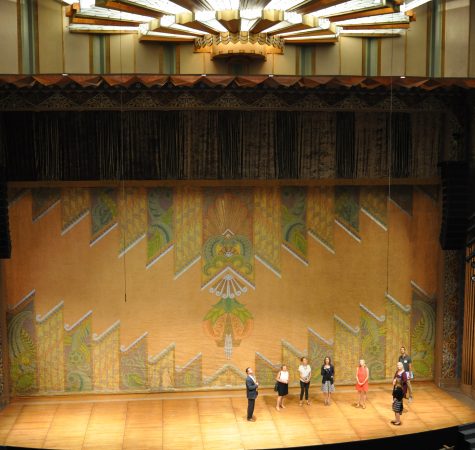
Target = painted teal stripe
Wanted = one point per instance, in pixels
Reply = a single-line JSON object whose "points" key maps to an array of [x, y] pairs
{"points": [[99, 54], [169, 59], [305, 60], [371, 57], [28, 36], [435, 38]]}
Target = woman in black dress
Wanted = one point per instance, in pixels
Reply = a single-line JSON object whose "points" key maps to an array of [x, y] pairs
{"points": [[398, 407], [328, 375], [282, 386]]}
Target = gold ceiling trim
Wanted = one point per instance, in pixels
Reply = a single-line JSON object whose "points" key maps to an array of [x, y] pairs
{"points": [[243, 44]]}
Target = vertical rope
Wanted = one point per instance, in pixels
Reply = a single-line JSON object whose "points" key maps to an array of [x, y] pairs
{"points": [[390, 155], [122, 174]]}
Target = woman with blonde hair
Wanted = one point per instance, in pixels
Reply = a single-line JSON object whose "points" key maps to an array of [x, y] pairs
{"points": [[282, 386], [401, 375], [362, 383]]}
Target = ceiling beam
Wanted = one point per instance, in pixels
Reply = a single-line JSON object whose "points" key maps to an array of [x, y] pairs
{"points": [[230, 20], [193, 5], [377, 26], [315, 41], [309, 33], [291, 28], [268, 19], [132, 3], [360, 14], [307, 22], [92, 31], [189, 20], [253, 4], [94, 21], [117, 5], [152, 38], [156, 25], [311, 6]]}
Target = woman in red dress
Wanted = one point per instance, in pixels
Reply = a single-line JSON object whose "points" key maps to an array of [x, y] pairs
{"points": [[362, 378]]}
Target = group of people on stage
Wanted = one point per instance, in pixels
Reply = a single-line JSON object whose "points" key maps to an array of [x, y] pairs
{"points": [[401, 384]]}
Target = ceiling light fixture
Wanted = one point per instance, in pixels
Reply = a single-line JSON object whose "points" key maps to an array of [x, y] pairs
{"points": [[312, 37], [224, 5], [373, 20], [412, 5], [381, 32], [163, 6], [105, 13], [82, 28], [351, 6], [282, 5]]}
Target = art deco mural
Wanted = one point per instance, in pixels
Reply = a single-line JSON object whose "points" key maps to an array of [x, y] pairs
{"points": [[174, 288]]}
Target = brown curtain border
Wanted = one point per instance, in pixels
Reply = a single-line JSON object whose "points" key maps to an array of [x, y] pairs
{"points": [[241, 82]]}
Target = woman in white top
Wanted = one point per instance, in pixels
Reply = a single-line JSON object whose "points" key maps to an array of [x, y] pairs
{"points": [[305, 372], [282, 386]]}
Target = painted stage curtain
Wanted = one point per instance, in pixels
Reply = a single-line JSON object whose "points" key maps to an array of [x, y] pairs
{"points": [[110, 145]]}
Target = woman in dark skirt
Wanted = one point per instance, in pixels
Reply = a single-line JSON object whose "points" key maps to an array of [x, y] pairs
{"points": [[282, 386], [401, 375], [398, 407], [328, 375]]}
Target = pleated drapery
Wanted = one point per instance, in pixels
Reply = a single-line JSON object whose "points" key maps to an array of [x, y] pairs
{"points": [[186, 145]]}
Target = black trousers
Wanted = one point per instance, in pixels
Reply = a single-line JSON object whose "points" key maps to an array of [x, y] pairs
{"points": [[250, 407], [304, 388]]}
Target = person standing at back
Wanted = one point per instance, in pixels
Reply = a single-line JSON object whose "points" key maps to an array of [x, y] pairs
{"points": [[406, 361], [251, 394]]}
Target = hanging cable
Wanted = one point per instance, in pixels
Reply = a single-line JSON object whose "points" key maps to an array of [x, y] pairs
{"points": [[122, 173], [390, 153]]}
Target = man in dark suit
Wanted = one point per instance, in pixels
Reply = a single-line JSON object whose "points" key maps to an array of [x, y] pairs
{"points": [[251, 393]]}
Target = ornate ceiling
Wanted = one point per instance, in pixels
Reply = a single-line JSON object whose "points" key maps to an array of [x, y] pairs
{"points": [[218, 22]]}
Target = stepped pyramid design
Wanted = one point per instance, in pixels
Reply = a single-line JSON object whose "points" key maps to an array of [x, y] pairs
{"points": [[48, 356], [377, 339]]}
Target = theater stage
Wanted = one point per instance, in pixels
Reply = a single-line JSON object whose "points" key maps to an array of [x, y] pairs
{"points": [[217, 420]]}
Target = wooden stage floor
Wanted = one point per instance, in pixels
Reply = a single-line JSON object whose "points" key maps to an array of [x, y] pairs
{"points": [[218, 420]]}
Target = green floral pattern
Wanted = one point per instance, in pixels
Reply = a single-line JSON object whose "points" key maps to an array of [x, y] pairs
{"points": [[423, 335], [22, 349], [160, 221], [78, 356], [133, 367], [294, 213], [103, 211], [347, 207]]}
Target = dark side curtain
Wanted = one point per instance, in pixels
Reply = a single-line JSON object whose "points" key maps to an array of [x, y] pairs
{"points": [[181, 145]]}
